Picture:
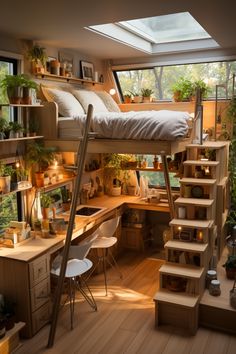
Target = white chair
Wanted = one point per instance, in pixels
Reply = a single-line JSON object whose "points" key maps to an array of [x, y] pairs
{"points": [[104, 241], [77, 265]]}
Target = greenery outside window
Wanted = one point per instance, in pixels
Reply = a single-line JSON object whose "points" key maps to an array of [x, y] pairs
{"points": [[156, 179], [8, 66], [8, 210], [161, 79]]}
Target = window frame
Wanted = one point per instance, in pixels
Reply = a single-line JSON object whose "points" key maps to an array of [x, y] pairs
{"points": [[120, 68]]}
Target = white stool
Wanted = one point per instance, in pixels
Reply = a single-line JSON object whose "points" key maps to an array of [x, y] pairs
{"points": [[77, 265], [105, 241]]}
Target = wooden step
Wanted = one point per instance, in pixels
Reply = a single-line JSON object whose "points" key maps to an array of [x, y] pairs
{"points": [[186, 246], [180, 298], [203, 224], [201, 181], [201, 163], [195, 202], [11, 339], [177, 309], [209, 144], [181, 270]]}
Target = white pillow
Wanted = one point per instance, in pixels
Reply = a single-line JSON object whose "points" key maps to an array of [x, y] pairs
{"points": [[86, 97], [109, 102], [68, 105]]}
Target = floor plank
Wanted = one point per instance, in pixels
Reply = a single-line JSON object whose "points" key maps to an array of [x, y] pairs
{"points": [[124, 322]]}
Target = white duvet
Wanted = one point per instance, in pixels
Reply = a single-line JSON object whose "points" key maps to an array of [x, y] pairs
{"points": [[144, 125]]}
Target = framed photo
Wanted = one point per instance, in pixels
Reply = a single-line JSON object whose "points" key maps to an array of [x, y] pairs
{"points": [[87, 70], [186, 235]]}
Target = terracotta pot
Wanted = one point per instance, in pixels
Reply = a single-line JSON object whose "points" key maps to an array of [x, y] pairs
{"points": [[39, 179], [14, 94], [26, 99], [127, 99], [230, 273], [5, 184], [45, 213]]}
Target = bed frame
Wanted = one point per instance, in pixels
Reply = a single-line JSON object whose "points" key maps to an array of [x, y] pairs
{"points": [[47, 117]]}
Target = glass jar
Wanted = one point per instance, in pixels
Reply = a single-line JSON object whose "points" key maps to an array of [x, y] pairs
{"points": [[214, 288], [211, 275]]}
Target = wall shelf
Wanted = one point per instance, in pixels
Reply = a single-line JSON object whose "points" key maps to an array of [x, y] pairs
{"points": [[21, 139], [66, 79]]}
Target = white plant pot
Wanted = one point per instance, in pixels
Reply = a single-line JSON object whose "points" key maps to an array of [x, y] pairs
{"points": [[115, 191]]}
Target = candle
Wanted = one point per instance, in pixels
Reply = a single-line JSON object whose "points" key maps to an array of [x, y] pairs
{"points": [[179, 230], [200, 236]]}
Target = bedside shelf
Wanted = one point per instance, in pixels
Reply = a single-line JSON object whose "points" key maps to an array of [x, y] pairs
{"points": [[67, 79]]}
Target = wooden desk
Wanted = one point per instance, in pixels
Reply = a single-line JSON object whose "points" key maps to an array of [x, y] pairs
{"points": [[25, 270]]}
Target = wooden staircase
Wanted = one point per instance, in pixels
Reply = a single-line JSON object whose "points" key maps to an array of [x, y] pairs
{"points": [[195, 234]]}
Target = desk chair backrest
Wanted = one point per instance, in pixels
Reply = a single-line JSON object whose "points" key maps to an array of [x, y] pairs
{"points": [[108, 228], [81, 250]]}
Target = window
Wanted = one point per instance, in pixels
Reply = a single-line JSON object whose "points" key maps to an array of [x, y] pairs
{"points": [[159, 34], [161, 79], [8, 210], [8, 66], [156, 178]]}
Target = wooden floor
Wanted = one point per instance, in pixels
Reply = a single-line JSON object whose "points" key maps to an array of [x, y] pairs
{"points": [[124, 322]]}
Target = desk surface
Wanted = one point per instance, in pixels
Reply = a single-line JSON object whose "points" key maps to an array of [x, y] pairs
{"points": [[39, 245]]}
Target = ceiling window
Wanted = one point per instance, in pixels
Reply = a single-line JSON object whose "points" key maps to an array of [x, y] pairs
{"points": [[159, 34]]}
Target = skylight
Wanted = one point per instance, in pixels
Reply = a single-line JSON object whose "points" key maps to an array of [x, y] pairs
{"points": [[159, 34]]}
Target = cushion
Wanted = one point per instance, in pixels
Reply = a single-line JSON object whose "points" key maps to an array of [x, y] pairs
{"points": [[86, 97], [109, 102], [68, 105]]}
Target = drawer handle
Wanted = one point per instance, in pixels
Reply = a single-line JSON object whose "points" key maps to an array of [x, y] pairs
{"points": [[40, 270]]}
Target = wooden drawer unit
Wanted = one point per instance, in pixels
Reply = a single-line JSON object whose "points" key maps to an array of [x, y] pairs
{"points": [[40, 294], [41, 317], [38, 270]]}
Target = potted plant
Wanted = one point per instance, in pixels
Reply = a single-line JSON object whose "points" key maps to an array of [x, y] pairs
{"points": [[38, 58], [12, 84], [5, 178], [146, 94], [66, 199], [16, 130], [182, 90], [46, 202], [8, 313], [27, 86], [40, 157], [137, 98], [127, 98], [114, 163], [202, 86], [3, 128], [230, 267]]}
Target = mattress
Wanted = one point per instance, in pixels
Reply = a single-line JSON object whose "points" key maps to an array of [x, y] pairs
{"points": [[141, 125]]}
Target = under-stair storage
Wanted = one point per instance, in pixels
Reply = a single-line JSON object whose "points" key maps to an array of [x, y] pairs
{"points": [[196, 231]]}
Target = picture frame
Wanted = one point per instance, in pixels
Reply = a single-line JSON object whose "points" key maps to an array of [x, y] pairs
{"points": [[87, 70], [186, 235]]}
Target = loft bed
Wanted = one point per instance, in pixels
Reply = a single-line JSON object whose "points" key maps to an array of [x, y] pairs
{"points": [[51, 134], [61, 130]]}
